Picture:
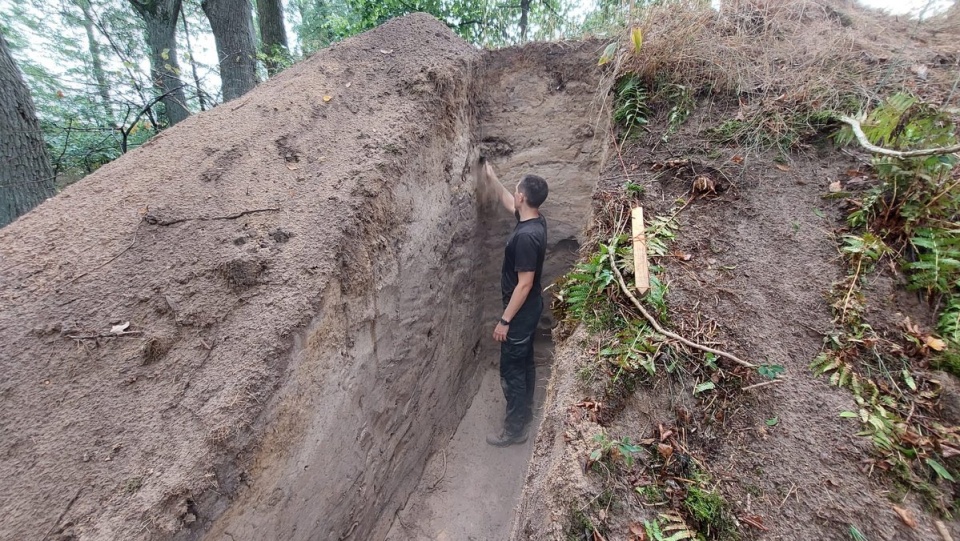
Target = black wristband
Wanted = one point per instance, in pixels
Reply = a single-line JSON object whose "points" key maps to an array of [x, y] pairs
{"points": [[504, 322]]}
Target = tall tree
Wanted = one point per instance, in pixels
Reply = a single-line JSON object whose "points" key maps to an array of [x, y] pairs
{"points": [[96, 58], [193, 61], [26, 178], [232, 25], [273, 36], [160, 18]]}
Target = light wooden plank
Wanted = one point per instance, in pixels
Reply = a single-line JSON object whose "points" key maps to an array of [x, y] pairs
{"points": [[641, 268]]}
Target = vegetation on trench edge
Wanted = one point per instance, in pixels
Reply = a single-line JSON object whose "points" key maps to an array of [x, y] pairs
{"points": [[909, 218], [659, 470]]}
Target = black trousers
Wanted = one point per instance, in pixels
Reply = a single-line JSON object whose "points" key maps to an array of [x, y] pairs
{"points": [[518, 376]]}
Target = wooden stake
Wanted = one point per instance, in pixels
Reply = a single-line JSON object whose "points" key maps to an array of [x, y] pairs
{"points": [[640, 268]]}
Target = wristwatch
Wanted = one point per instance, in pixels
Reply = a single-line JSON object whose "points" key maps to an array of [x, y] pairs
{"points": [[504, 322]]}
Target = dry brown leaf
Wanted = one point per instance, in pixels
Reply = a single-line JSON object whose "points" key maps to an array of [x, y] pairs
{"points": [[949, 452], [637, 529], [835, 186], [737, 159], [781, 167], [905, 516], [665, 450], [935, 344], [603, 515]]}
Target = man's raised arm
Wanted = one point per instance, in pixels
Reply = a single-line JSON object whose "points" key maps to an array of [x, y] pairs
{"points": [[504, 195]]}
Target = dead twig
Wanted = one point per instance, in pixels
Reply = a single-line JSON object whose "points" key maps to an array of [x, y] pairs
{"points": [[350, 531], [442, 473], [862, 139], [787, 497], [943, 531], [668, 334], [64, 513], [153, 220], [104, 335], [761, 384], [112, 259]]}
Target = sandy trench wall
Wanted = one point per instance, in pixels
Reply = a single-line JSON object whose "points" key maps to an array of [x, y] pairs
{"points": [[542, 111], [384, 372], [297, 270]]}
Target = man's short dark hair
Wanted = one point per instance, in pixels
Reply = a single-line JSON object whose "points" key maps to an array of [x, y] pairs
{"points": [[535, 189]]}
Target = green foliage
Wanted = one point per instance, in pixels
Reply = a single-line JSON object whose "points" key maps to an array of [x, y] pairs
{"points": [[583, 288], [867, 248], [681, 103], [937, 269], [916, 207], [662, 230], [478, 21], [710, 513], [92, 87], [855, 534], [668, 527], [770, 371], [632, 350], [631, 109], [634, 189], [614, 450]]}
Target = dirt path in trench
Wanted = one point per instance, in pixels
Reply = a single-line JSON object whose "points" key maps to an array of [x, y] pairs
{"points": [[469, 490]]}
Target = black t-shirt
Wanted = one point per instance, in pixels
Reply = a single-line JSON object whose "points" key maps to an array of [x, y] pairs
{"points": [[526, 249]]}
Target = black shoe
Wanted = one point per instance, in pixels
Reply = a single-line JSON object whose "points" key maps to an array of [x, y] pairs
{"points": [[505, 439]]}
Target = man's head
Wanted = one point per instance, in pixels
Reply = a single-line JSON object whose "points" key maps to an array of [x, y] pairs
{"points": [[532, 190]]}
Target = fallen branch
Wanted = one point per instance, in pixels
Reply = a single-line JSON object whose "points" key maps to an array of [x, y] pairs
{"points": [[668, 334], [153, 220], [862, 138]]}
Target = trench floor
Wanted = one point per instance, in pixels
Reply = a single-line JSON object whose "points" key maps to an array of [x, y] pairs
{"points": [[469, 490]]}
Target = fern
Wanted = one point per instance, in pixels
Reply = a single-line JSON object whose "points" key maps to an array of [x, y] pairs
{"points": [[949, 323], [668, 527], [937, 269], [631, 104]]}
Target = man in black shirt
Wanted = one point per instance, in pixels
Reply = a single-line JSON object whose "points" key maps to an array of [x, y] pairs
{"points": [[522, 300]]}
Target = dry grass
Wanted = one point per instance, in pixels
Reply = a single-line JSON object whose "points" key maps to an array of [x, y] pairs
{"points": [[786, 60]]}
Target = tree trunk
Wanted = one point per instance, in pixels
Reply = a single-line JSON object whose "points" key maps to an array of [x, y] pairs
{"points": [[25, 175], [160, 17], [103, 88], [524, 12], [193, 61], [232, 25], [273, 37]]}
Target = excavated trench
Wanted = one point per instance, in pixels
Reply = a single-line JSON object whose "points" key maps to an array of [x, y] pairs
{"points": [[424, 368], [310, 294]]}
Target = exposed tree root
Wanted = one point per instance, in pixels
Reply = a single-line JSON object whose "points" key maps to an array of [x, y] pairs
{"points": [[668, 334], [862, 138]]}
